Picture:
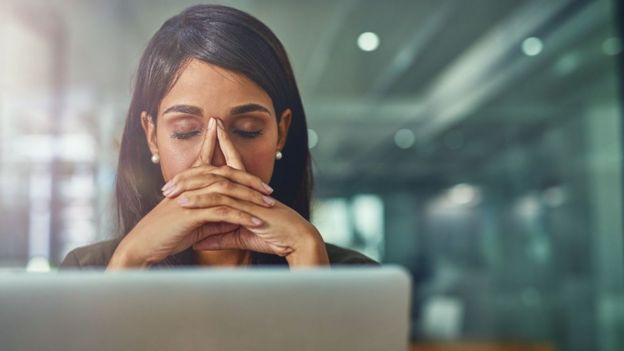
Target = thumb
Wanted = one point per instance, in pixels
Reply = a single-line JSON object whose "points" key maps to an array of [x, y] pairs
{"points": [[225, 241]]}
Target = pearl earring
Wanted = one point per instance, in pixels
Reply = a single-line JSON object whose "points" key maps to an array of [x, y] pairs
{"points": [[155, 158], [278, 155]]}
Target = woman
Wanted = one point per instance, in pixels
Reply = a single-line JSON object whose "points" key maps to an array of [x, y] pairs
{"points": [[215, 118]]}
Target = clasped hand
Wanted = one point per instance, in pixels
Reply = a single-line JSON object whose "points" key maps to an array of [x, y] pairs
{"points": [[215, 208]]}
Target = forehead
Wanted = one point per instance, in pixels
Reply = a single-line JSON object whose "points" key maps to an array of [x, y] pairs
{"points": [[213, 88]]}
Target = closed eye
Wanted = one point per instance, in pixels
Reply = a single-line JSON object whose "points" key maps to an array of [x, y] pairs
{"points": [[185, 135], [249, 134]]}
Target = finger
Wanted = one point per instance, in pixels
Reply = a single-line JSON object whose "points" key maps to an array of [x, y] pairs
{"points": [[202, 176], [224, 193], [242, 240], [192, 179], [225, 241], [227, 214], [208, 145], [209, 229], [232, 157]]}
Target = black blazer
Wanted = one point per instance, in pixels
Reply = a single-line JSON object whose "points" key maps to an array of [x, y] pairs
{"points": [[99, 254]]}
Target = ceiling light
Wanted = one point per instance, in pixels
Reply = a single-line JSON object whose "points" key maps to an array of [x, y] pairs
{"points": [[464, 194], [368, 41], [312, 138], [532, 46], [404, 138]]}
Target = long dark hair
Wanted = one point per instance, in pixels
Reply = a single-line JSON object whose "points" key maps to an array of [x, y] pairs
{"points": [[233, 40]]}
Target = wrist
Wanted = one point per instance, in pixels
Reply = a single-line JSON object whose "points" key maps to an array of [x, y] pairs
{"points": [[310, 252], [124, 258]]}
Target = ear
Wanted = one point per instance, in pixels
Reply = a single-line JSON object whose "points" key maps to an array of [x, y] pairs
{"points": [[282, 128], [150, 132]]}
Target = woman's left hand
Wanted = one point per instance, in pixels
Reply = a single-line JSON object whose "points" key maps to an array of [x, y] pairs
{"points": [[283, 232]]}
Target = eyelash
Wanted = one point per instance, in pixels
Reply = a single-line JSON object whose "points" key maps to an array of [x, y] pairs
{"points": [[186, 135], [242, 133], [249, 135]]}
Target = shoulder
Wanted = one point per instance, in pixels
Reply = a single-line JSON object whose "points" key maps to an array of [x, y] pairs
{"points": [[338, 256], [91, 256], [97, 256], [342, 256]]}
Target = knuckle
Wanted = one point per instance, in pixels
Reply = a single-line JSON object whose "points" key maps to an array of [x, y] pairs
{"points": [[179, 178], [210, 178], [253, 180], [222, 210], [260, 199], [191, 200], [203, 199], [216, 185], [243, 216], [256, 196], [225, 185], [180, 183], [215, 198]]}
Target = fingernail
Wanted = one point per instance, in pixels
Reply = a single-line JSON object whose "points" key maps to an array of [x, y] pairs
{"points": [[168, 185], [256, 220], [220, 124], [211, 123], [267, 188], [169, 190], [267, 200], [183, 201]]}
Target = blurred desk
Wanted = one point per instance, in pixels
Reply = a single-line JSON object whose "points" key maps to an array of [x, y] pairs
{"points": [[481, 347]]}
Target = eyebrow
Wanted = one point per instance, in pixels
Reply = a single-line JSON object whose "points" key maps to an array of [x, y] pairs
{"points": [[251, 107], [237, 110], [189, 109]]}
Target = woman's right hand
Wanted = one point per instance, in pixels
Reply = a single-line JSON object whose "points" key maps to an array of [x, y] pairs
{"points": [[169, 228]]}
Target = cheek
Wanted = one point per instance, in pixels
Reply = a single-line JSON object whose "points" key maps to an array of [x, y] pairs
{"points": [[176, 157], [259, 159]]}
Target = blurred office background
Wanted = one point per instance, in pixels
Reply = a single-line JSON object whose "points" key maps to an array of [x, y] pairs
{"points": [[477, 143]]}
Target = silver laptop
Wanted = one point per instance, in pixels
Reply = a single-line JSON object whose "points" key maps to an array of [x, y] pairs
{"points": [[254, 309]]}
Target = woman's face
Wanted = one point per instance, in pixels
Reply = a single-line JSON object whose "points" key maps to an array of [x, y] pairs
{"points": [[246, 110]]}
